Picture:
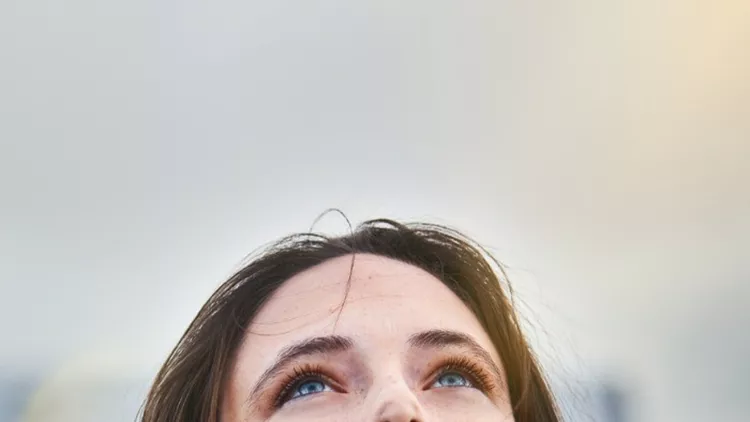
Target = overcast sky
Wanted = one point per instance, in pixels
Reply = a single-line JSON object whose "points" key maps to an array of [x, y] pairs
{"points": [[600, 150]]}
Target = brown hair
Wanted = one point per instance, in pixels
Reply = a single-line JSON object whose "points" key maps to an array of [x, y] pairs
{"points": [[190, 384]]}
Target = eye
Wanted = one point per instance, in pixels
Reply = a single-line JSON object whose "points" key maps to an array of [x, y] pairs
{"points": [[462, 372], [303, 385], [308, 387], [451, 379]]}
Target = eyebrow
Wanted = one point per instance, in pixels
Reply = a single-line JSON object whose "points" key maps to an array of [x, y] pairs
{"points": [[445, 338], [307, 347]]}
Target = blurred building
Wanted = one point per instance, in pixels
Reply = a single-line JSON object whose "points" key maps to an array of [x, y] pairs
{"points": [[15, 392], [595, 401]]}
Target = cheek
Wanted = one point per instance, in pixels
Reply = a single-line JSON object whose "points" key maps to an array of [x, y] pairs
{"points": [[441, 405], [463, 405], [438, 406], [323, 408]]}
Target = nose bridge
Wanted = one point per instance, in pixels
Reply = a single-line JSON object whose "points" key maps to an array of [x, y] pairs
{"points": [[394, 401]]}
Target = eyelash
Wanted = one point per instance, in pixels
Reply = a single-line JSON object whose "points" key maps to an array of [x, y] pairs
{"points": [[299, 374], [477, 375]]}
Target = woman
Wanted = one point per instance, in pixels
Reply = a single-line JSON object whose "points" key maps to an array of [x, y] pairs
{"points": [[391, 323]]}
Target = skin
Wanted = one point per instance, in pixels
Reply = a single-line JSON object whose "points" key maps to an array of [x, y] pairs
{"points": [[379, 370]]}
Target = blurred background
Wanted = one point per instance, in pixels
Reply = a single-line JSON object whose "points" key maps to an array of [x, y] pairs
{"points": [[600, 149]]}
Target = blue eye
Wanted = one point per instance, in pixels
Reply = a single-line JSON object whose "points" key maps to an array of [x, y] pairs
{"points": [[452, 379], [308, 387]]}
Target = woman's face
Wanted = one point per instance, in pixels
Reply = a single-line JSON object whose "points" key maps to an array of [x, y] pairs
{"points": [[404, 348]]}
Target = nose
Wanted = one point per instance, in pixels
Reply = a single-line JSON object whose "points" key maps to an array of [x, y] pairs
{"points": [[394, 401]]}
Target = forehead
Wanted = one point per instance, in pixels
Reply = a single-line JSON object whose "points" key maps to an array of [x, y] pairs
{"points": [[386, 301]]}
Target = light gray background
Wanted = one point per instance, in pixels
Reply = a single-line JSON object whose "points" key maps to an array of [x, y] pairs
{"points": [[600, 149]]}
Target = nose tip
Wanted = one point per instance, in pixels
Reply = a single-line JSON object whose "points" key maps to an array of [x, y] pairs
{"points": [[396, 402], [395, 412]]}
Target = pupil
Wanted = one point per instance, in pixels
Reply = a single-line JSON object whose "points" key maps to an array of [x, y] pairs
{"points": [[311, 387], [452, 379]]}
